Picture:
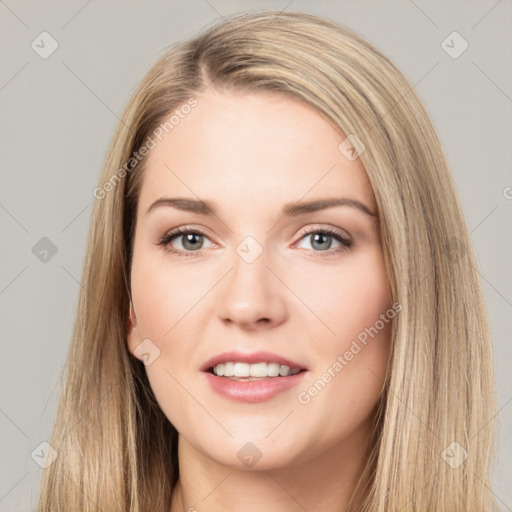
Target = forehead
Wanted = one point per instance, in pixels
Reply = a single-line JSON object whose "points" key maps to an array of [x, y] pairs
{"points": [[252, 147]]}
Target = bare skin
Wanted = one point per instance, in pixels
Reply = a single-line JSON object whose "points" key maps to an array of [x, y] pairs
{"points": [[306, 297]]}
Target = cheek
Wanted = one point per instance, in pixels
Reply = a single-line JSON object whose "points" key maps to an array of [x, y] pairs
{"points": [[349, 383], [353, 354], [162, 295], [164, 301], [348, 299]]}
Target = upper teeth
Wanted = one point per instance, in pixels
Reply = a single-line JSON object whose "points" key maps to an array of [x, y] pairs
{"points": [[234, 369]]}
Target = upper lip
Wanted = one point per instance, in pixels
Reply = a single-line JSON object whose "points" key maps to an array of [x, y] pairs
{"points": [[251, 358]]}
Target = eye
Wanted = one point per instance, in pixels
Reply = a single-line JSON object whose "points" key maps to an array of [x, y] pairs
{"points": [[321, 240], [192, 241]]}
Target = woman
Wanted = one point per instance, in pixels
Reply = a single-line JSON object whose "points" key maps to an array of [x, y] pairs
{"points": [[280, 304]]}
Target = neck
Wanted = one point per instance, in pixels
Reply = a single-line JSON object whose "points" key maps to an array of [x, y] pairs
{"points": [[326, 482]]}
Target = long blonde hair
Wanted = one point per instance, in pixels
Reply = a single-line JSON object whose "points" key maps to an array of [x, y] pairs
{"points": [[434, 436]]}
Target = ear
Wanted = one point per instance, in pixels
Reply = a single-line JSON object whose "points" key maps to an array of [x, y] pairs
{"points": [[132, 337]]}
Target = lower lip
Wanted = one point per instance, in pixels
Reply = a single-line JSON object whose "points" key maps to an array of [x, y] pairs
{"points": [[252, 391]]}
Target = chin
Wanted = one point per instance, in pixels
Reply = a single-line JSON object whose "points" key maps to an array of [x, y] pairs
{"points": [[260, 454]]}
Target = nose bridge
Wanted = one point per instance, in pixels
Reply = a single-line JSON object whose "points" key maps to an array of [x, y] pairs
{"points": [[250, 277], [251, 292]]}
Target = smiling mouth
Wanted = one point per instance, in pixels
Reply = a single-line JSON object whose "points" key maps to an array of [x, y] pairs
{"points": [[233, 370]]}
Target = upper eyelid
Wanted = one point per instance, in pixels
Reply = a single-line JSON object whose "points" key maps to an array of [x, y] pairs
{"points": [[190, 228], [330, 229]]}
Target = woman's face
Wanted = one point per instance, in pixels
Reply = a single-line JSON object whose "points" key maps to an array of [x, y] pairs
{"points": [[263, 276]]}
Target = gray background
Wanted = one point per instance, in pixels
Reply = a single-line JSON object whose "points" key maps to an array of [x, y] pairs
{"points": [[58, 115]]}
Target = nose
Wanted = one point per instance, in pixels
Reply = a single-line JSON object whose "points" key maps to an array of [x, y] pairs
{"points": [[252, 297]]}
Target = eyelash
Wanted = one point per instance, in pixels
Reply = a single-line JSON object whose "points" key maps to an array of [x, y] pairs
{"points": [[168, 237]]}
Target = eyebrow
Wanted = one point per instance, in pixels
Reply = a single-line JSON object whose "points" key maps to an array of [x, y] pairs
{"points": [[289, 210]]}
